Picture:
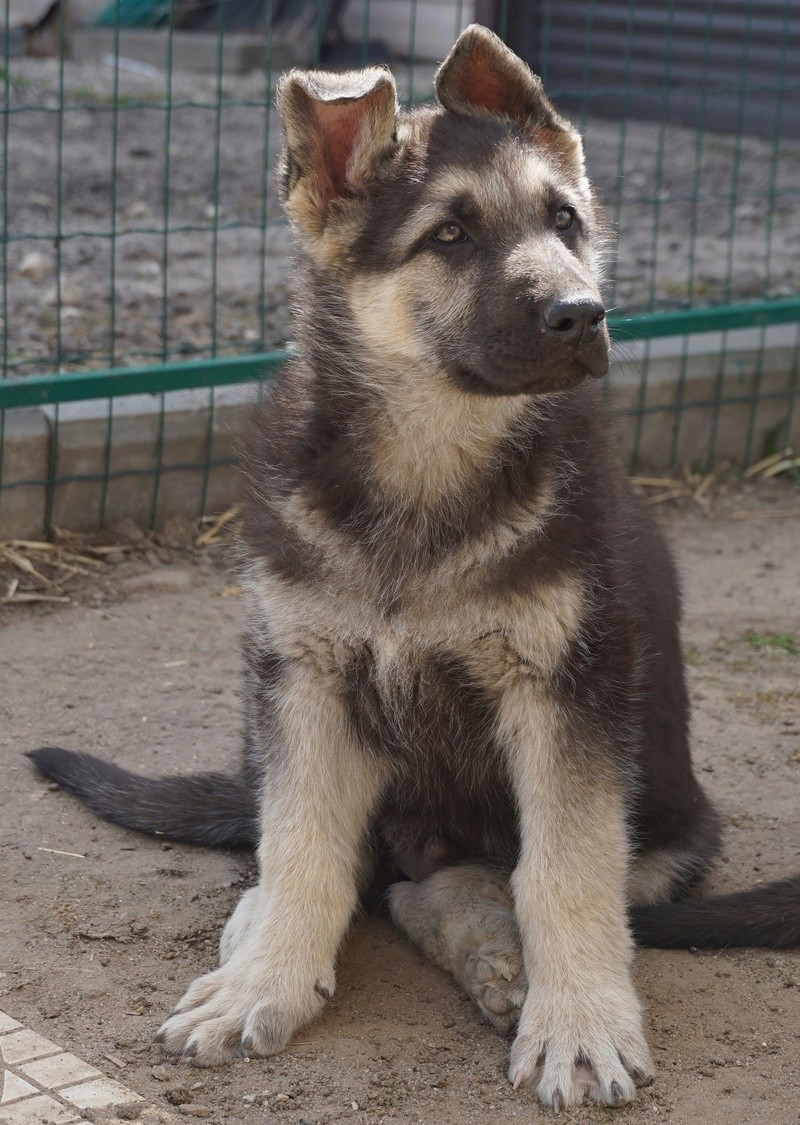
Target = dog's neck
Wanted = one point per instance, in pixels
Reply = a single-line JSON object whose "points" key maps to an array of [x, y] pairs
{"points": [[432, 440], [421, 438]]}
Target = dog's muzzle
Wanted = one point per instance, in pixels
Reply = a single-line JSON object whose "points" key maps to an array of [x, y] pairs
{"points": [[574, 322]]}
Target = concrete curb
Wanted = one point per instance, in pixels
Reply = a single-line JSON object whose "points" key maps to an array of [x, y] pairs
{"points": [[83, 445]]}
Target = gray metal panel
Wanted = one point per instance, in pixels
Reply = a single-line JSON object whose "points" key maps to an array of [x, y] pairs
{"points": [[727, 64]]}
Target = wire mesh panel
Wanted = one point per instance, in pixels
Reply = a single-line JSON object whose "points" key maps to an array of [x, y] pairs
{"points": [[146, 268]]}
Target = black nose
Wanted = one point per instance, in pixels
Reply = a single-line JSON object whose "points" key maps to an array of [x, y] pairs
{"points": [[574, 320]]}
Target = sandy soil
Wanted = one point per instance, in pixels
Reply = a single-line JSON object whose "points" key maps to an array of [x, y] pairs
{"points": [[675, 200], [97, 949]]}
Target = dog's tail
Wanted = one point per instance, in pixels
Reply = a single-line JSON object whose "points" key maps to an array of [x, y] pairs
{"points": [[767, 917], [212, 809]]}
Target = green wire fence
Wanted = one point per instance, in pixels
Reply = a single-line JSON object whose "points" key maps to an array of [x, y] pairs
{"points": [[146, 268]]}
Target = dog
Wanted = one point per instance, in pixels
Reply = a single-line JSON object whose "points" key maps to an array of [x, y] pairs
{"points": [[462, 665]]}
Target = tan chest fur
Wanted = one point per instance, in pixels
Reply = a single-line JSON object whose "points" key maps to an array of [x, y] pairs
{"points": [[493, 636]]}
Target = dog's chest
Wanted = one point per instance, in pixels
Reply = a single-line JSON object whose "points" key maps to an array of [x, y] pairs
{"points": [[417, 700], [423, 678]]}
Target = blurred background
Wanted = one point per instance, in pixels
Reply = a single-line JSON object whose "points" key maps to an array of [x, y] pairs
{"points": [[146, 266]]}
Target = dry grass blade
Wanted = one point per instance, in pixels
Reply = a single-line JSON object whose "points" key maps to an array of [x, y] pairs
{"points": [[703, 487], [68, 574], [64, 562], [655, 482], [73, 557], [50, 549], [781, 467], [29, 599], [32, 545], [664, 496], [114, 549], [211, 533], [766, 463], [23, 564]]}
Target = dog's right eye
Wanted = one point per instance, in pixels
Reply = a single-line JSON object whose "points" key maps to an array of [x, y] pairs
{"points": [[450, 234]]}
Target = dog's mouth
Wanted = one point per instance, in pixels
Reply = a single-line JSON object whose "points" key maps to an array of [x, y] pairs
{"points": [[509, 378]]}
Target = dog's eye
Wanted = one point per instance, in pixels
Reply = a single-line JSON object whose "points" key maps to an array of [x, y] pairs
{"points": [[565, 217], [450, 234]]}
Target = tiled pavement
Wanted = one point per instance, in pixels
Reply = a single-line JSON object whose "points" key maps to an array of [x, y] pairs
{"points": [[42, 1084]]}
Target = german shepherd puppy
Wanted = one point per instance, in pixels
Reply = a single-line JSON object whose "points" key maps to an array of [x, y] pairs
{"points": [[461, 649]]}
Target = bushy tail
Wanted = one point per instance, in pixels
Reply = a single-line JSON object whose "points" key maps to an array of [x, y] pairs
{"points": [[767, 916], [212, 809]]}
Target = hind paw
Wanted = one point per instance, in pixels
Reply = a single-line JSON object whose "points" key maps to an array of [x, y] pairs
{"points": [[496, 982]]}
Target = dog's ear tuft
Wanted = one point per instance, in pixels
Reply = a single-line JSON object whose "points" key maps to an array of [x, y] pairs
{"points": [[337, 128], [482, 76]]}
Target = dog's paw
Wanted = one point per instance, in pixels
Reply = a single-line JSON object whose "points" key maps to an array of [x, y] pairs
{"points": [[495, 980], [571, 1047], [241, 1010]]}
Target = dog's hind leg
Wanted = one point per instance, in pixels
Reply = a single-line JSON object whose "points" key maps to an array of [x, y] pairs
{"points": [[462, 919]]}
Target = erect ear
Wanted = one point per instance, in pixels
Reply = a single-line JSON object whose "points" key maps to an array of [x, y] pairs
{"points": [[482, 76], [337, 128]]}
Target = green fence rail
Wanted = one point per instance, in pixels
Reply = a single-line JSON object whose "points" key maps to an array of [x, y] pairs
{"points": [[87, 385], [144, 253]]}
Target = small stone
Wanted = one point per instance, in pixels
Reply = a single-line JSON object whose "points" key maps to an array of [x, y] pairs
{"points": [[194, 1109], [162, 1073], [178, 1095], [130, 1111], [249, 1099], [35, 265], [126, 531], [70, 292], [177, 532]]}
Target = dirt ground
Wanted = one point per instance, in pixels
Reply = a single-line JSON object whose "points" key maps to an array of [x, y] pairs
{"points": [[97, 946], [124, 165]]}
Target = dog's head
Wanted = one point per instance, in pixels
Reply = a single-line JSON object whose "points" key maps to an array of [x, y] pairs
{"points": [[465, 238]]}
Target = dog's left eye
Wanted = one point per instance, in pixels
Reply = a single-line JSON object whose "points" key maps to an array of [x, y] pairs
{"points": [[450, 234], [565, 217]]}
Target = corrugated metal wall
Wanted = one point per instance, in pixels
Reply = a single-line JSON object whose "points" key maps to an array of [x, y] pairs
{"points": [[731, 65]]}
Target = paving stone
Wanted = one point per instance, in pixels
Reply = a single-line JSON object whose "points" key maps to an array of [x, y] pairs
{"points": [[60, 1070], [14, 1087], [102, 1092], [8, 1024], [19, 1046], [38, 1111]]}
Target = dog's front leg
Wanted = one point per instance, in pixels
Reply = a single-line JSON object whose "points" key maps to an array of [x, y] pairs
{"points": [[320, 789], [581, 1024]]}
